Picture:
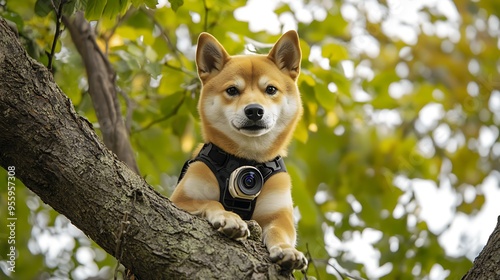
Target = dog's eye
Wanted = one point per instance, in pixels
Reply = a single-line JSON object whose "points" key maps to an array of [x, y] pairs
{"points": [[232, 91], [271, 90]]}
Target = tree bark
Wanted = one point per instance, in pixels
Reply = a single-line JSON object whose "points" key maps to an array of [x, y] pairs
{"points": [[487, 264], [59, 157]]}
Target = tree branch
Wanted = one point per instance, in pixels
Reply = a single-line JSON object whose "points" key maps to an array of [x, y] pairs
{"points": [[102, 89], [58, 156]]}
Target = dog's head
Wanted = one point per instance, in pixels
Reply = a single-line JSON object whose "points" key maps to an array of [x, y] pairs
{"points": [[249, 104]]}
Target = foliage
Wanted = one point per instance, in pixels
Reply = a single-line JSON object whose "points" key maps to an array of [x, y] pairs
{"points": [[396, 99]]}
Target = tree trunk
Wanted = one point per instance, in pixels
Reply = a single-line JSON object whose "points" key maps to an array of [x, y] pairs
{"points": [[487, 263], [58, 156]]}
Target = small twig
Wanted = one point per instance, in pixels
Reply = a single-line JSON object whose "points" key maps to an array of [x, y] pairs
{"points": [[166, 117], [344, 275], [310, 259], [181, 69], [59, 14], [164, 35], [107, 35]]}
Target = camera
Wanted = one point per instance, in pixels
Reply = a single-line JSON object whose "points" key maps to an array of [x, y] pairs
{"points": [[245, 182]]}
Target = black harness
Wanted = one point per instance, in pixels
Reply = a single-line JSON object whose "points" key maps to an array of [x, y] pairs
{"points": [[222, 165]]}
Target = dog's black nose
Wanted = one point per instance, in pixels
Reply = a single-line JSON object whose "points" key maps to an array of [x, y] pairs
{"points": [[254, 112]]}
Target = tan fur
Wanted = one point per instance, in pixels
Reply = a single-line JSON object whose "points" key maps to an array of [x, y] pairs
{"points": [[223, 123]]}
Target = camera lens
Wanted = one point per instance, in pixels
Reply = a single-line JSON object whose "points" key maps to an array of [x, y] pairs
{"points": [[249, 180], [245, 182]]}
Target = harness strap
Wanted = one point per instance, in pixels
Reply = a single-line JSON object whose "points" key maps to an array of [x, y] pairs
{"points": [[222, 165]]}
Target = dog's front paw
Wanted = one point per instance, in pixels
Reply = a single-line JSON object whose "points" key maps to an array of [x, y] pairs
{"points": [[230, 224], [287, 257]]}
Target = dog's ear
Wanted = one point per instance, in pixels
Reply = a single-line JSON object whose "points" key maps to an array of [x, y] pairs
{"points": [[210, 56], [286, 54]]}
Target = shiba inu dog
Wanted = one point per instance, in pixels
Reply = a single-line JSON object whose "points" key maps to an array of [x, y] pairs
{"points": [[249, 107]]}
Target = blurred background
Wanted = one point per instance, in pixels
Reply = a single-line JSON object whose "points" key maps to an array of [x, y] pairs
{"points": [[394, 164]]}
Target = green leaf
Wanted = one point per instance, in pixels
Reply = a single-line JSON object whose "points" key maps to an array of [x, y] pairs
{"points": [[137, 3], [325, 97], [115, 7], [71, 6], [176, 4], [171, 103], [43, 7], [14, 18], [335, 53], [154, 69], [171, 82], [151, 3], [301, 133], [94, 9]]}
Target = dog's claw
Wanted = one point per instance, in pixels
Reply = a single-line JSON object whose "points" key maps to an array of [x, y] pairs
{"points": [[231, 225], [288, 257]]}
